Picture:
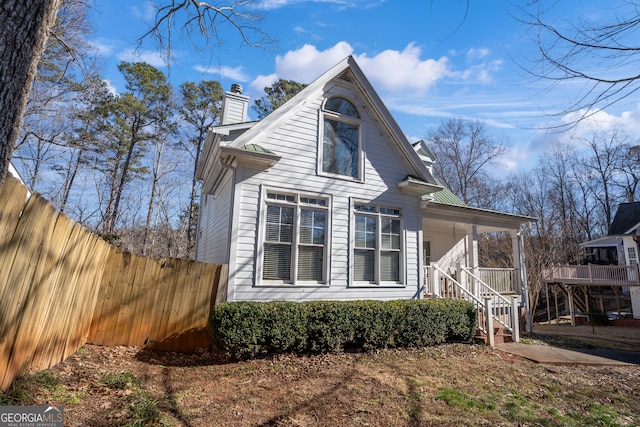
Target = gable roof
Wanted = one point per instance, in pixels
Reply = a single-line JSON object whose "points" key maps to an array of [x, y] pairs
{"points": [[347, 70], [626, 220]]}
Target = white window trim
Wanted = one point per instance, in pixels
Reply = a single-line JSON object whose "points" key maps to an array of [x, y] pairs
{"points": [[352, 246], [261, 235], [322, 113]]}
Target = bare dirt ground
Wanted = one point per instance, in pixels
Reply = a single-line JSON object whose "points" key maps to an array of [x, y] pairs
{"points": [[448, 385]]}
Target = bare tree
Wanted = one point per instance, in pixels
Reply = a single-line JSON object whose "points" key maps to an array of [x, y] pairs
{"points": [[25, 28], [602, 55], [630, 179], [200, 108], [604, 163], [464, 155], [209, 19]]}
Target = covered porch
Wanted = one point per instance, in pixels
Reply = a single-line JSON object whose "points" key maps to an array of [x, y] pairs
{"points": [[451, 263], [450, 241]]}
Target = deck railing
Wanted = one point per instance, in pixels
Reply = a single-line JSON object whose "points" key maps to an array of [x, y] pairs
{"points": [[594, 275]]}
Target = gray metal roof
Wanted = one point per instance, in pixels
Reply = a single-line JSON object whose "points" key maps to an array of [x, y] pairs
{"points": [[626, 219]]}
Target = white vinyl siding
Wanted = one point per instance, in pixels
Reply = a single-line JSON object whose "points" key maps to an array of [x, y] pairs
{"points": [[296, 141], [214, 222]]}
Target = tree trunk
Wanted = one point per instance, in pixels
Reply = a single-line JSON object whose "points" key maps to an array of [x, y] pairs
{"points": [[71, 176], [192, 199], [154, 189], [24, 29]]}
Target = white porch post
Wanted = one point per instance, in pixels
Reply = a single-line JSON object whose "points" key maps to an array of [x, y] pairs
{"points": [[515, 319], [488, 315], [472, 249], [520, 276], [515, 251]]}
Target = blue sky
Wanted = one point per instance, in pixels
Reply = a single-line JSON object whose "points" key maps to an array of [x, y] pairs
{"points": [[428, 60]]}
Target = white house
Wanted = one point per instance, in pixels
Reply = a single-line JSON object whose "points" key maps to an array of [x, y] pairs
{"points": [[620, 247], [326, 198]]}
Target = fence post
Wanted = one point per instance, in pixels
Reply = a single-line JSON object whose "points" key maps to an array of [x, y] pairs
{"points": [[488, 315], [515, 318]]}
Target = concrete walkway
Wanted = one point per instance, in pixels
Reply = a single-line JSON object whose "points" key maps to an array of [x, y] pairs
{"points": [[561, 356]]}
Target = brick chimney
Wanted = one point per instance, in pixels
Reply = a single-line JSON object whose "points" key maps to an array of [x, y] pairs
{"points": [[234, 106]]}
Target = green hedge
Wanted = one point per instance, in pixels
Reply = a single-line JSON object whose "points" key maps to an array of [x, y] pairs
{"points": [[250, 329]]}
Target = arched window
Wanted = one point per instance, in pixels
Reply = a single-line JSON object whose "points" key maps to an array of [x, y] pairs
{"points": [[341, 146]]}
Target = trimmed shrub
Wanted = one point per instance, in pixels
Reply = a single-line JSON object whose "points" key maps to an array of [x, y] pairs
{"points": [[252, 329], [330, 326]]}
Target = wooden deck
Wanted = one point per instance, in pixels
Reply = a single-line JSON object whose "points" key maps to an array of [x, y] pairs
{"points": [[592, 275]]}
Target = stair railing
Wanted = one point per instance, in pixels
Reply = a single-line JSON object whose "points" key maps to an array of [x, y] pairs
{"points": [[503, 308], [441, 284]]}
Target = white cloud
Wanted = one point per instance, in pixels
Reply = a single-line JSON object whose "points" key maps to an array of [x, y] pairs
{"points": [[344, 4], [390, 70], [147, 11], [628, 121], [260, 82], [102, 46], [154, 58], [233, 73], [403, 71], [307, 63], [473, 53], [110, 87]]}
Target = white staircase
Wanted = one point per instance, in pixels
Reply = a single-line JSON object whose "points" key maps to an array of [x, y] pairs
{"points": [[496, 313]]}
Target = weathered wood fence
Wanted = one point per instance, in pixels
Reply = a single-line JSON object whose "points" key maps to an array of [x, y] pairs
{"points": [[62, 286]]}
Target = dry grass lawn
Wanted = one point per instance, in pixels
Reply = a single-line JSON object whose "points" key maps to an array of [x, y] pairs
{"points": [[448, 385]]}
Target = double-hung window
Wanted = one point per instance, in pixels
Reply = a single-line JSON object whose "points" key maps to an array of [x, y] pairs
{"points": [[633, 258], [377, 248], [295, 238], [341, 152]]}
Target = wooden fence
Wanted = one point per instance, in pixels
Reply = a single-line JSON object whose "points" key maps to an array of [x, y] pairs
{"points": [[62, 286]]}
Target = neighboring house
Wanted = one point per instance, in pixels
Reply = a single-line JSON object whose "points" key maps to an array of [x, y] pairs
{"points": [[326, 198], [619, 246]]}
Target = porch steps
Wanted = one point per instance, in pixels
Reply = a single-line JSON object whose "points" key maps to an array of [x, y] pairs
{"points": [[500, 336]]}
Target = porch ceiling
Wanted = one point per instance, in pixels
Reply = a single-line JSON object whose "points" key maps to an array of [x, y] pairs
{"points": [[463, 217]]}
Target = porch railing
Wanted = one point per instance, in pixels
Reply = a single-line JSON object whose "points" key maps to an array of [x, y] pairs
{"points": [[502, 280], [594, 275]]}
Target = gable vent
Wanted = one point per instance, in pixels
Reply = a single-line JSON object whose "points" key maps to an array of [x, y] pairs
{"points": [[345, 77]]}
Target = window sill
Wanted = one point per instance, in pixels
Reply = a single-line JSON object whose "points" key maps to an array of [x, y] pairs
{"points": [[276, 284], [341, 177], [377, 285]]}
